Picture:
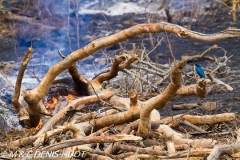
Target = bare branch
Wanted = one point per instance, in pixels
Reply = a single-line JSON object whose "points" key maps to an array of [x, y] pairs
{"points": [[34, 96], [21, 109], [91, 139]]}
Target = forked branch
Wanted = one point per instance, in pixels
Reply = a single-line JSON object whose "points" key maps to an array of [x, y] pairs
{"points": [[34, 96], [160, 100]]}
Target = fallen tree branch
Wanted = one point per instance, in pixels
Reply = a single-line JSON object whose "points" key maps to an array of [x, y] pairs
{"points": [[199, 120], [22, 113], [91, 139], [75, 105], [190, 154], [160, 100], [180, 139], [184, 106], [118, 37], [122, 117], [81, 85], [113, 147], [156, 150], [96, 152], [32, 97], [199, 89], [223, 149], [116, 67]]}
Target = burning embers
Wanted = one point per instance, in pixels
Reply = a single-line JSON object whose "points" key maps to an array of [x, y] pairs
{"points": [[70, 97], [64, 88], [51, 104], [66, 85], [39, 126]]}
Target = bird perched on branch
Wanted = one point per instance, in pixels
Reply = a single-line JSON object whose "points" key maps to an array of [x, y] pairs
{"points": [[200, 70]]}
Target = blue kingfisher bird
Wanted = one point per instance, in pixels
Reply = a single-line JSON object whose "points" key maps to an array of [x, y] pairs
{"points": [[200, 70]]}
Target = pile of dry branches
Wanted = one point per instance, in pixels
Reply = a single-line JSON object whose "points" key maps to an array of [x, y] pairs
{"points": [[100, 134]]}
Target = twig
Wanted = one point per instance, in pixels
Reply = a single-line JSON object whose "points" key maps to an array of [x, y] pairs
{"points": [[201, 56], [141, 78], [3, 74], [151, 65], [147, 69], [221, 64], [104, 102], [169, 46], [120, 44], [159, 42], [194, 126], [34, 75]]}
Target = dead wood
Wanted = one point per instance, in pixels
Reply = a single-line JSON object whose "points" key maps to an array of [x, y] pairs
{"points": [[41, 138], [23, 114], [116, 67], [96, 84], [160, 100], [201, 56], [211, 119], [148, 70], [33, 97], [100, 131], [25, 141], [92, 139], [120, 118], [199, 120], [170, 147], [141, 156], [199, 89], [185, 106], [194, 126], [135, 109], [99, 157], [112, 148], [191, 155], [223, 149], [179, 139], [96, 153], [154, 150], [124, 117], [73, 106], [81, 85], [86, 117], [28, 140]]}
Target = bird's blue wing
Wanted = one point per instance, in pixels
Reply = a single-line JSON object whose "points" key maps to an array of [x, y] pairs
{"points": [[200, 72]]}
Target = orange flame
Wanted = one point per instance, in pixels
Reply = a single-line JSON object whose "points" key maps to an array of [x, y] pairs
{"points": [[53, 104], [39, 126], [70, 97], [54, 100]]}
